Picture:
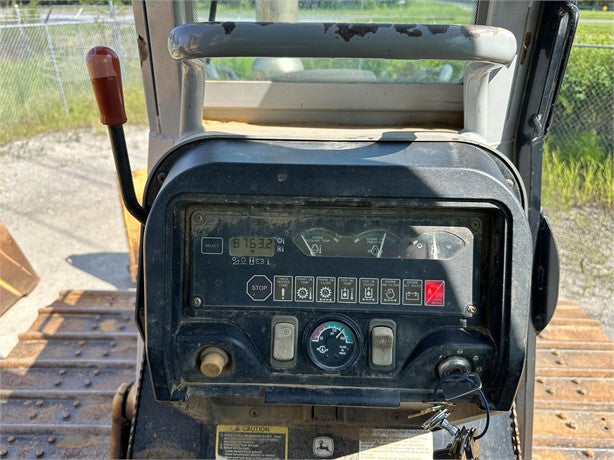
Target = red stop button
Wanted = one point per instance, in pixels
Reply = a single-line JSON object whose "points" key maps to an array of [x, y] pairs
{"points": [[434, 293]]}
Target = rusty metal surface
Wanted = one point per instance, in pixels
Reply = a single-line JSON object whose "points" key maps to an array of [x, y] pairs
{"points": [[57, 384], [574, 389]]}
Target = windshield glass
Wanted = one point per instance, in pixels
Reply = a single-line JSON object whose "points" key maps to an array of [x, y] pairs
{"points": [[336, 70]]}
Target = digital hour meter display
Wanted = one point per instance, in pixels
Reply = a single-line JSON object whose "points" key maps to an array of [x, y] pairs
{"points": [[257, 246]]}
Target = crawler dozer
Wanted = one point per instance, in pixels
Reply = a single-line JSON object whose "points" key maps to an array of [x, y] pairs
{"points": [[341, 251]]}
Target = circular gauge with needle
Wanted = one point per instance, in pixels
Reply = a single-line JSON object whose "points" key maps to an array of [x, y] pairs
{"points": [[332, 344], [317, 242], [376, 243]]}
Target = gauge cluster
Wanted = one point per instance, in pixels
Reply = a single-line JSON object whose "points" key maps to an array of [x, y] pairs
{"points": [[332, 258], [380, 243]]}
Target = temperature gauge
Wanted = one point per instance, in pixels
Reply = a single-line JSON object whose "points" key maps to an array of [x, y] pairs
{"points": [[332, 345]]}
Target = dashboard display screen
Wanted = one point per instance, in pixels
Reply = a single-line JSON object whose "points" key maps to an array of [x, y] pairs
{"points": [[256, 246]]}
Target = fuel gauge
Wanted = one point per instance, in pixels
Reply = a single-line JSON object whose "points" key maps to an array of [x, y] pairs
{"points": [[434, 245]]}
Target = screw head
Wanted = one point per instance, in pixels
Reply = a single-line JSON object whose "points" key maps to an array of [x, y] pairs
{"points": [[51, 439], [198, 218], [471, 309], [474, 224], [39, 453], [197, 301]]}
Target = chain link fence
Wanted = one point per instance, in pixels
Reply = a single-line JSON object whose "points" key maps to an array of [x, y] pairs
{"points": [[42, 59], [583, 118]]}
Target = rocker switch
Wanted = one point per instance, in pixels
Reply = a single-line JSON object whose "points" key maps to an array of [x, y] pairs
{"points": [[382, 346], [284, 339]]}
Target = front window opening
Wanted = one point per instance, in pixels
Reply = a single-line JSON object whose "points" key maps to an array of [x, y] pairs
{"points": [[338, 69]]}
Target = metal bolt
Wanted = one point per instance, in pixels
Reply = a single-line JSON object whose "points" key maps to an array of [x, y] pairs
{"points": [[65, 415], [509, 182], [562, 415], [471, 309], [459, 351], [81, 343], [475, 224], [62, 371], [121, 327], [3, 451], [476, 357], [161, 177], [113, 344], [87, 382], [105, 353], [11, 439], [539, 380], [253, 413], [58, 382], [78, 353], [51, 439], [582, 391], [555, 352], [560, 361], [199, 218], [39, 453], [550, 391], [197, 301], [478, 369], [576, 381], [39, 403], [33, 415], [588, 453], [96, 372], [76, 404], [571, 424]]}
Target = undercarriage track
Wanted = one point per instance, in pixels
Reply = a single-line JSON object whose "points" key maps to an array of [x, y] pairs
{"points": [[57, 385]]}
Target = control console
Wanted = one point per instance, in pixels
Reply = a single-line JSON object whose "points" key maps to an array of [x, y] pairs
{"points": [[328, 273]]}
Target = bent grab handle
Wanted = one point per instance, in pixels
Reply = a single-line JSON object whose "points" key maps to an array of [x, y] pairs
{"points": [[342, 40], [105, 75]]}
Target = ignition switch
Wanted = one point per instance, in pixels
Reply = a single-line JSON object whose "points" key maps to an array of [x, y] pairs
{"points": [[212, 361], [453, 365]]}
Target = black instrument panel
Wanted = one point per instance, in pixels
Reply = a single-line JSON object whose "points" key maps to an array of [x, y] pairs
{"points": [[398, 259]]}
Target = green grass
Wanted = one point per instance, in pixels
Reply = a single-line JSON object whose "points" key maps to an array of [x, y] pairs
{"points": [[594, 33], [412, 11], [596, 14], [578, 173], [31, 102]]}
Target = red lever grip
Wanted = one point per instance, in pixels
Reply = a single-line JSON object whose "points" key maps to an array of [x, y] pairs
{"points": [[105, 75]]}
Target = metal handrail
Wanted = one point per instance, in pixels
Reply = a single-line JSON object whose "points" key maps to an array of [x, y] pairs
{"points": [[343, 40]]}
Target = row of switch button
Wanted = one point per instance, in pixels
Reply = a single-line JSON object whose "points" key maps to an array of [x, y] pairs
{"points": [[284, 342], [328, 289]]}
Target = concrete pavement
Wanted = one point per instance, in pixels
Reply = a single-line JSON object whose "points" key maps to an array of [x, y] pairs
{"points": [[59, 200]]}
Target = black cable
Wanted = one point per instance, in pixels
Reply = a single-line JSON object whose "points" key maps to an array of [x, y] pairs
{"points": [[471, 381]]}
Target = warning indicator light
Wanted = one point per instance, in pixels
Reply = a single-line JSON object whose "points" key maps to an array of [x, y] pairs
{"points": [[434, 293]]}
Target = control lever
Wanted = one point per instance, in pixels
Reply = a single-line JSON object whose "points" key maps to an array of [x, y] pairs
{"points": [[105, 75], [463, 445]]}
